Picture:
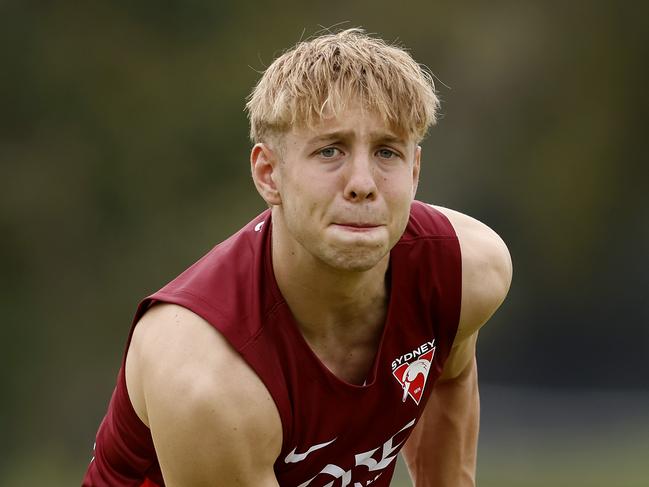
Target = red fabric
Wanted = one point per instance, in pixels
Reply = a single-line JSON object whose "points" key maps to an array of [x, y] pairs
{"points": [[332, 430]]}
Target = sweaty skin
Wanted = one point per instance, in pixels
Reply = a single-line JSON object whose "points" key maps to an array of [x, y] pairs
{"points": [[340, 195], [451, 417]]}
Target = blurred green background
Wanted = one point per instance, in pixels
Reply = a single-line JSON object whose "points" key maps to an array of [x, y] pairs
{"points": [[124, 158]]}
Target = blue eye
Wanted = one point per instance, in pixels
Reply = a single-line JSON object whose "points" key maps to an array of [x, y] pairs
{"points": [[386, 154], [329, 152]]}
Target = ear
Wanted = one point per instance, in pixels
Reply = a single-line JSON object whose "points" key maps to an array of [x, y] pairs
{"points": [[264, 165], [416, 166]]}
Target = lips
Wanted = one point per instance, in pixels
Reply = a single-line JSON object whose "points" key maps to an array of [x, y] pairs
{"points": [[357, 225]]}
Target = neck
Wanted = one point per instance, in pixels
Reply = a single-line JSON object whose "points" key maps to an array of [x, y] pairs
{"points": [[324, 300]]}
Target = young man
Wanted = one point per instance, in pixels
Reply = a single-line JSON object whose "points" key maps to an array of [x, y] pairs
{"points": [[335, 329]]}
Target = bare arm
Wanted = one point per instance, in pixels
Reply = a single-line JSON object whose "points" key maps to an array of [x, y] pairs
{"points": [[442, 449], [212, 420]]}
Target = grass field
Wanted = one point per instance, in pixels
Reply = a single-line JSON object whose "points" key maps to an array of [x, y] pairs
{"points": [[549, 438], [529, 438]]}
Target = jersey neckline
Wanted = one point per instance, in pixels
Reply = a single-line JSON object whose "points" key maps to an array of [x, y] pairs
{"points": [[294, 329]]}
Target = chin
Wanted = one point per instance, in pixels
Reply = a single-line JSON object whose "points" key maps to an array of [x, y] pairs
{"points": [[355, 260]]}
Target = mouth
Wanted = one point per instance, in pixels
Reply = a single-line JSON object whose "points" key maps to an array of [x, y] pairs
{"points": [[357, 227]]}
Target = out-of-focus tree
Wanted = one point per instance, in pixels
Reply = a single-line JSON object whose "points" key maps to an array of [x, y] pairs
{"points": [[123, 152]]}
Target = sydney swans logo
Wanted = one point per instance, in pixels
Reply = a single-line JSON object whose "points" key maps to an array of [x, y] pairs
{"points": [[411, 370]]}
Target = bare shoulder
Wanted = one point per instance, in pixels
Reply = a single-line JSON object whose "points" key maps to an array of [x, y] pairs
{"points": [[210, 416], [486, 270]]}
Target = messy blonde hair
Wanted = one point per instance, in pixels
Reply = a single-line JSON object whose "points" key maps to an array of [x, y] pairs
{"points": [[320, 77]]}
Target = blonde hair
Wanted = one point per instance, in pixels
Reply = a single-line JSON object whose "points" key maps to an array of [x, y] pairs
{"points": [[319, 78]]}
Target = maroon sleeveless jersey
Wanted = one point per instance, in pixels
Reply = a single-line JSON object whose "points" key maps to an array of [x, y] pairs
{"points": [[334, 433]]}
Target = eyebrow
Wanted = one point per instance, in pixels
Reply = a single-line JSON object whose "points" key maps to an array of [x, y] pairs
{"points": [[348, 134]]}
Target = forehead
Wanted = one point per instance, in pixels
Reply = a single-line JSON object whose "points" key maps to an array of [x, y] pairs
{"points": [[350, 124]]}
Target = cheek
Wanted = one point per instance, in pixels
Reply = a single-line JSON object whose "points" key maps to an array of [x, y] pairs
{"points": [[312, 189], [301, 198], [398, 188]]}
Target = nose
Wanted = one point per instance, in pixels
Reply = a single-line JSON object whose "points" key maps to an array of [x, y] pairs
{"points": [[360, 179]]}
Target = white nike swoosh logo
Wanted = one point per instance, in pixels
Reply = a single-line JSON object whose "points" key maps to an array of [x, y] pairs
{"points": [[298, 457]]}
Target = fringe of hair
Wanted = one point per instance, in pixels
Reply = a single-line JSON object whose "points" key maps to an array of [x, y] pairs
{"points": [[319, 78]]}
